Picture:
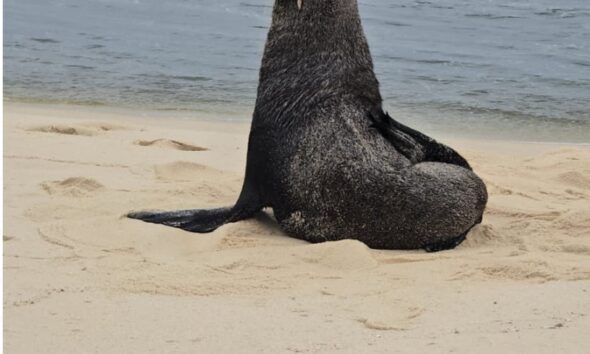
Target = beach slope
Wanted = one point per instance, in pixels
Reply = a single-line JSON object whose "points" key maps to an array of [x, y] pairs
{"points": [[80, 277]]}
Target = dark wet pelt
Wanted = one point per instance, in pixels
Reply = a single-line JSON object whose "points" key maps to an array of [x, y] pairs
{"points": [[496, 69]]}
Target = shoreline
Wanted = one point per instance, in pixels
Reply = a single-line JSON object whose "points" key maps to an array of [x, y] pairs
{"points": [[240, 119], [75, 267], [128, 111]]}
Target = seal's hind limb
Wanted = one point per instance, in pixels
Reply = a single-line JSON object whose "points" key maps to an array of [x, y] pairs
{"points": [[415, 146], [195, 220], [206, 220], [419, 148]]}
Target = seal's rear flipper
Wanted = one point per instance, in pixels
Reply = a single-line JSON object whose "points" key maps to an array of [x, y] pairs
{"points": [[195, 220], [414, 145]]}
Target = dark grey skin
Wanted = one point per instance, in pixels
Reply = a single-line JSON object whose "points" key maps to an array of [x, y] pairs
{"points": [[327, 159]]}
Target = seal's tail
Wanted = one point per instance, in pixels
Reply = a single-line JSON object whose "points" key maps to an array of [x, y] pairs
{"points": [[195, 220]]}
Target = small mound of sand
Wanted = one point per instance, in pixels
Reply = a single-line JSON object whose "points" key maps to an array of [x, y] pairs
{"points": [[170, 144], [575, 179], [63, 129], [74, 187], [480, 235]]}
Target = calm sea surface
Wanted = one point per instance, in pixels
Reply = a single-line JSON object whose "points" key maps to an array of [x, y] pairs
{"points": [[516, 69]]}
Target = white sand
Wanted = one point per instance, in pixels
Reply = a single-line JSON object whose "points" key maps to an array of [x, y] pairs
{"points": [[81, 278]]}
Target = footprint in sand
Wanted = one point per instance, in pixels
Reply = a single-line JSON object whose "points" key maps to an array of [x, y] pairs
{"points": [[576, 249], [529, 271], [170, 144], [400, 317], [72, 187], [575, 223], [63, 129], [88, 129]]}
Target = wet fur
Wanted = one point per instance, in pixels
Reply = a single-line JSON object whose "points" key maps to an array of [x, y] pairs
{"points": [[328, 160]]}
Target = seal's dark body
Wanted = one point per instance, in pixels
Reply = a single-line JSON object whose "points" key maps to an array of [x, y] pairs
{"points": [[326, 158]]}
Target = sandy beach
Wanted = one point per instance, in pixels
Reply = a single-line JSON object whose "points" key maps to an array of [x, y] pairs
{"points": [[80, 277]]}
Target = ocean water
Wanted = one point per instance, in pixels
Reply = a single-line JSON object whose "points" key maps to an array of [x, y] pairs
{"points": [[513, 69]]}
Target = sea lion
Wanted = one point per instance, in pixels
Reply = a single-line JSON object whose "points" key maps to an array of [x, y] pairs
{"points": [[327, 159]]}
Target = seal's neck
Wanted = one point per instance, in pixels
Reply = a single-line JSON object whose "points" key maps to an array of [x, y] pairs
{"points": [[320, 44]]}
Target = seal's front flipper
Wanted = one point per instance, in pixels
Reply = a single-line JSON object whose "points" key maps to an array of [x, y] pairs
{"points": [[195, 220]]}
